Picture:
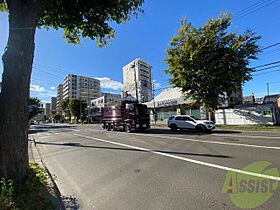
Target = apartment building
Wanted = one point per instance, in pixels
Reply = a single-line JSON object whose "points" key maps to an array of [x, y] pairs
{"points": [[59, 97], [84, 88], [53, 103], [106, 99], [137, 80], [47, 110]]}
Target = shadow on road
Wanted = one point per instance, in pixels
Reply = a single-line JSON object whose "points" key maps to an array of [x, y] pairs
{"points": [[46, 128], [132, 150]]}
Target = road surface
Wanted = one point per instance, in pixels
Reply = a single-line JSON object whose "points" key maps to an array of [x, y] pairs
{"points": [[159, 169]]}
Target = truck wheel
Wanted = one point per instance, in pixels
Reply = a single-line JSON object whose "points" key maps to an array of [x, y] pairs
{"points": [[108, 127], [128, 128], [112, 127]]}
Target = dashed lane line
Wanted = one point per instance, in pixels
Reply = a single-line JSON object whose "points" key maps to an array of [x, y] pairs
{"points": [[225, 168]]}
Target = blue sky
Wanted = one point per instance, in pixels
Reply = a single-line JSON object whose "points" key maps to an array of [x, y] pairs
{"points": [[147, 38]]}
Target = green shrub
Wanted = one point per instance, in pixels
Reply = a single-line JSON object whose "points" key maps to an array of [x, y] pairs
{"points": [[33, 194]]}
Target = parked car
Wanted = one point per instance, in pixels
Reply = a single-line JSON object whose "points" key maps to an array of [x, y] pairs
{"points": [[189, 122], [31, 122]]}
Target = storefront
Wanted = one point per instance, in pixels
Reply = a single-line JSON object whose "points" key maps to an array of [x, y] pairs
{"points": [[172, 102]]}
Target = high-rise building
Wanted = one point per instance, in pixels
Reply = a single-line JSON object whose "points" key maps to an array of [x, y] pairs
{"points": [[47, 110], [137, 80], [59, 97], [53, 103], [84, 88]]}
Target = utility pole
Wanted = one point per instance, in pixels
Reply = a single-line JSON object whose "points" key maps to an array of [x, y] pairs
{"points": [[80, 109], [155, 120], [133, 66], [267, 88]]}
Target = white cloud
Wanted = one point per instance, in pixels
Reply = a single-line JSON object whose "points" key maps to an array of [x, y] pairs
{"points": [[110, 84], [156, 85], [52, 88], [36, 88]]}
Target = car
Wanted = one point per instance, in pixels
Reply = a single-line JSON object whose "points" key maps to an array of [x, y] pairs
{"points": [[31, 122], [189, 122]]}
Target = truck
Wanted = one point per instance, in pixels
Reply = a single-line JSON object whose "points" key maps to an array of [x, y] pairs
{"points": [[128, 116]]}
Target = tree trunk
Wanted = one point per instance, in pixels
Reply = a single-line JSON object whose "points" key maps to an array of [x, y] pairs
{"points": [[17, 62]]}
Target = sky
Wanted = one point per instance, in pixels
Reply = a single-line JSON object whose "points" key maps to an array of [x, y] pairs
{"points": [[147, 38]]}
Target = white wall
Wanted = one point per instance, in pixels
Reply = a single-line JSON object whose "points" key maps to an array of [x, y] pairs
{"points": [[252, 115]]}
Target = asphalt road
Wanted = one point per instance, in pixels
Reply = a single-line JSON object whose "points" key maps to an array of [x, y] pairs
{"points": [[158, 169]]}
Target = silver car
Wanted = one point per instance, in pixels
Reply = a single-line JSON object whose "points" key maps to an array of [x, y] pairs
{"points": [[189, 122]]}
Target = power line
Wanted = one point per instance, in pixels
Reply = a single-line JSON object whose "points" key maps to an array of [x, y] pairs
{"points": [[271, 67], [253, 6], [273, 45], [270, 51], [266, 72], [55, 75], [268, 64], [262, 5]]}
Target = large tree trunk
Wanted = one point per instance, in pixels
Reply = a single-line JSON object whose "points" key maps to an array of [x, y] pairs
{"points": [[17, 61]]}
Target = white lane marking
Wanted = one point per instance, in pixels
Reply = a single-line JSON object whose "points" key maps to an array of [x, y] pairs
{"points": [[74, 130], [48, 134], [210, 142], [243, 136], [225, 168], [90, 129], [56, 133]]}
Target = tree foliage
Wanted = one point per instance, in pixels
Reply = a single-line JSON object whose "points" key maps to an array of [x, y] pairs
{"points": [[76, 107], [34, 107], [208, 63], [84, 18], [64, 106], [55, 116]]}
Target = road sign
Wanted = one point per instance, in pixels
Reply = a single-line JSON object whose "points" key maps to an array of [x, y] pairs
{"points": [[278, 101]]}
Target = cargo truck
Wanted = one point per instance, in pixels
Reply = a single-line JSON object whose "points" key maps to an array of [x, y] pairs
{"points": [[128, 116]]}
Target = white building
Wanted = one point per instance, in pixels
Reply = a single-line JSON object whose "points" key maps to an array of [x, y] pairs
{"points": [[107, 99], [137, 80], [84, 88], [170, 102]]}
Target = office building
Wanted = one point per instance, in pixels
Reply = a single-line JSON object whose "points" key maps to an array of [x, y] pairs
{"points": [[137, 80], [80, 87]]}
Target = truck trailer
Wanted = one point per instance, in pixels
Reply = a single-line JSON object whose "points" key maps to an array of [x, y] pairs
{"points": [[128, 116]]}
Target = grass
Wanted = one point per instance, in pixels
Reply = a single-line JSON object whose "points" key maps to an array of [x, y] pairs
{"points": [[33, 194], [256, 127]]}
